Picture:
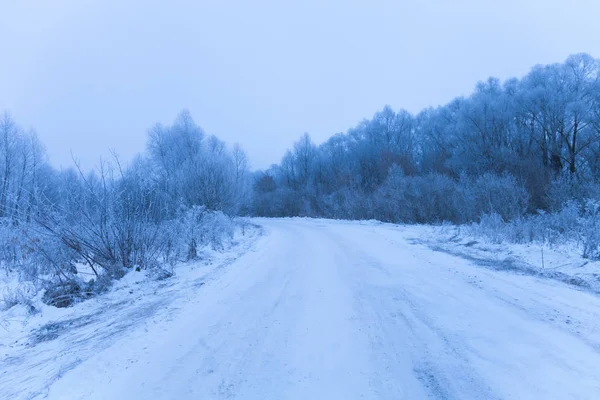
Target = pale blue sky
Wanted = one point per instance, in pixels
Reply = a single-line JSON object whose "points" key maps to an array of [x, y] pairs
{"points": [[94, 74]]}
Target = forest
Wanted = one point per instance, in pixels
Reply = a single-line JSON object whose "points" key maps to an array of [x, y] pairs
{"points": [[516, 160]]}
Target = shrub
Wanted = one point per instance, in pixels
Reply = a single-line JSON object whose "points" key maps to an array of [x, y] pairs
{"points": [[414, 199], [491, 194], [23, 294]]}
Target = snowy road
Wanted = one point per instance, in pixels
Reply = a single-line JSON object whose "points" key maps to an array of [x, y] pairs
{"points": [[333, 310]]}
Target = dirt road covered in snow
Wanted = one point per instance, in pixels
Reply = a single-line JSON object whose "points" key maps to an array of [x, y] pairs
{"points": [[335, 310]]}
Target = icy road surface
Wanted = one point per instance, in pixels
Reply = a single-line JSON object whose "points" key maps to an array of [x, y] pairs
{"points": [[334, 310]]}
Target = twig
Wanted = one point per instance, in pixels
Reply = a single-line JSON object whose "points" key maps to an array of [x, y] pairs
{"points": [[543, 267]]}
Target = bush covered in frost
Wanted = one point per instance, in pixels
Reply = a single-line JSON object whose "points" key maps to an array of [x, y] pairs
{"points": [[575, 222], [70, 233]]}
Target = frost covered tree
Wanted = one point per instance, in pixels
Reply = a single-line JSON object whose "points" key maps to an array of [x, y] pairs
{"points": [[525, 136], [157, 210]]}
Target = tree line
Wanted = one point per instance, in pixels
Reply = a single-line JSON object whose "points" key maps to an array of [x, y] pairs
{"points": [[507, 152], [511, 148]]}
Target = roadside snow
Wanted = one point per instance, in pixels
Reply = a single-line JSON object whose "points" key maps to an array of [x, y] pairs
{"points": [[38, 349], [559, 262]]}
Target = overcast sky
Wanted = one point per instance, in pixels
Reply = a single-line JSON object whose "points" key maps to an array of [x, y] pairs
{"points": [[90, 75]]}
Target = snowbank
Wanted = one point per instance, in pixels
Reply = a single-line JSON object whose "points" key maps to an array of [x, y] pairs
{"points": [[35, 359], [562, 262]]}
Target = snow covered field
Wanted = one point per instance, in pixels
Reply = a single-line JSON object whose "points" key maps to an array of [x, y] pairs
{"points": [[317, 309]]}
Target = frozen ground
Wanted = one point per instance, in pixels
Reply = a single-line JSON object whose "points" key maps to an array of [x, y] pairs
{"points": [[561, 262], [320, 310]]}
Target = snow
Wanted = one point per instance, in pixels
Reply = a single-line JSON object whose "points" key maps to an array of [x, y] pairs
{"points": [[319, 309], [36, 350], [561, 262]]}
